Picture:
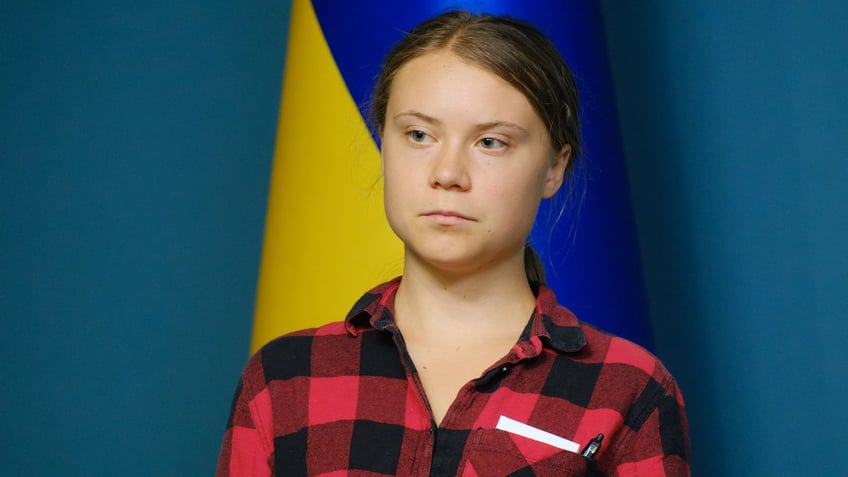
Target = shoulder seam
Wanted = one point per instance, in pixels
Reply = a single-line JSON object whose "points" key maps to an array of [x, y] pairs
{"points": [[255, 414]]}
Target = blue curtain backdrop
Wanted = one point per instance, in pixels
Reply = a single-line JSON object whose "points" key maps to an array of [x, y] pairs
{"points": [[135, 147], [734, 119]]}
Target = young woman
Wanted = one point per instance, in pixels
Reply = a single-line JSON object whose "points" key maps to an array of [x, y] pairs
{"points": [[465, 365]]}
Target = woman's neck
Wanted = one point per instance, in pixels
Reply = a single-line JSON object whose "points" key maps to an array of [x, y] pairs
{"points": [[487, 303]]}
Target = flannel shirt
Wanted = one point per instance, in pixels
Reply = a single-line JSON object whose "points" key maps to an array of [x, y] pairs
{"points": [[345, 400]]}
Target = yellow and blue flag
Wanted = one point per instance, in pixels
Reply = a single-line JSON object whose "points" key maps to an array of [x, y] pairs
{"points": [[326, 238]]}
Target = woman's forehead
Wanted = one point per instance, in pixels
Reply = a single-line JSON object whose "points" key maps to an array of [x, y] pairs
{"points": [[442, 82]]}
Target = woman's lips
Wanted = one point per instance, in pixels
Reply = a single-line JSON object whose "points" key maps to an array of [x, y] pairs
{"points": [[447, 217]]}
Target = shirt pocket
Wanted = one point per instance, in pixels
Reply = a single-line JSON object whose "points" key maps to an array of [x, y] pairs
{"points": [[493, 452]]}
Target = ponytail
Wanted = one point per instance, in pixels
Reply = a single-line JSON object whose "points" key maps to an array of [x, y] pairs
{"points": [[533, 267]]}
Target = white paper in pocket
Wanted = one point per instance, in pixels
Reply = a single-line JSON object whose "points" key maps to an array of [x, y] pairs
{"points": [[530, 432]]}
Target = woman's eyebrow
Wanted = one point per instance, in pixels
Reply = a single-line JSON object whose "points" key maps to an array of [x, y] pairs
{"points": [[417, 114], [502, 124]]}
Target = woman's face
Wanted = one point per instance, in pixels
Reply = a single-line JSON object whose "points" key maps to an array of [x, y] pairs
{"points": [[466, 161]]}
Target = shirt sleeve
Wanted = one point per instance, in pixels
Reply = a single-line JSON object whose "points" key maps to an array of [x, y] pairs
{"points": [[247, 449], [660, 444]]}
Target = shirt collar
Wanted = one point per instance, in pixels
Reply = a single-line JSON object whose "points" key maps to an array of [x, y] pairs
{"points": [[375, 309], [551, 323], [555, 324]]}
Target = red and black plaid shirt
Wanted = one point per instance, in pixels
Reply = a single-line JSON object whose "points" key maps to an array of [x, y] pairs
{"points": [[345, 400]]}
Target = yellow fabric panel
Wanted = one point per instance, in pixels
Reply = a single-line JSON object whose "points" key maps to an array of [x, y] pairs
{"points": [[326, 238]]}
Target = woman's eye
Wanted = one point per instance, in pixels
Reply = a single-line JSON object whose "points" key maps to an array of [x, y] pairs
{"points": [[491, 143], [418, 136]]}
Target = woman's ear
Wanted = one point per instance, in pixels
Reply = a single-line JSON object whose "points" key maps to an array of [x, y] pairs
{"points": [[556, 173]]}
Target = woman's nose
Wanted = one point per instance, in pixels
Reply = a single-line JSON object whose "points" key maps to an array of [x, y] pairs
{"points": [[450, 169]]}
